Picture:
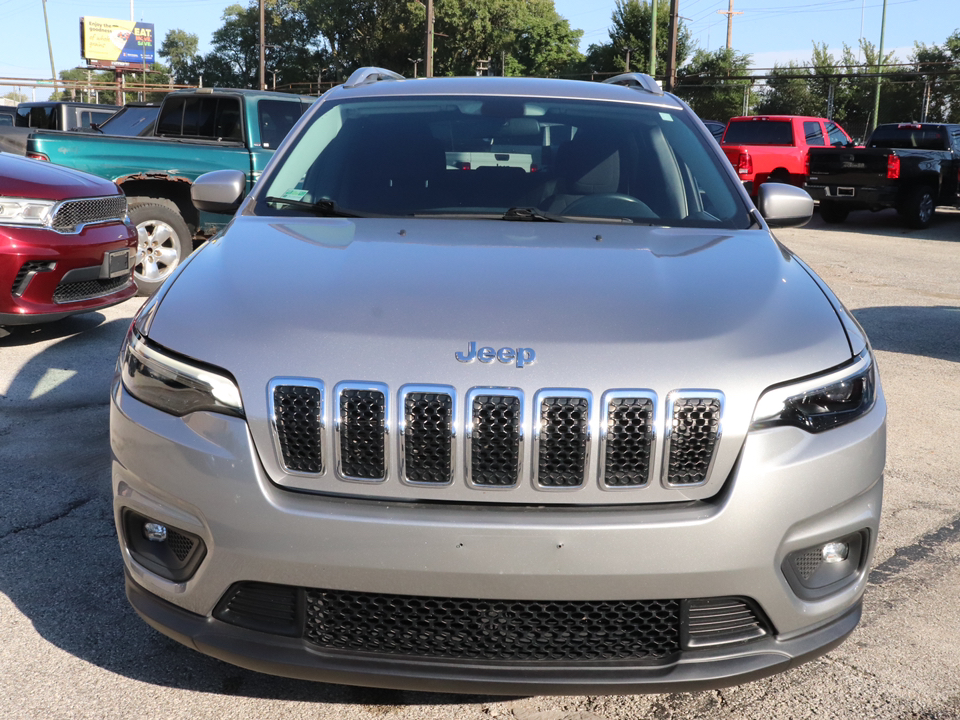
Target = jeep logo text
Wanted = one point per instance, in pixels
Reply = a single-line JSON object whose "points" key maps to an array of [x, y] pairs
{"points": [[520, 356]]}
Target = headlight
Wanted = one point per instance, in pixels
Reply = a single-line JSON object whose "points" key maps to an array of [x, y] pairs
{"points": [[174, 385], [822, 402], [25, 211]]}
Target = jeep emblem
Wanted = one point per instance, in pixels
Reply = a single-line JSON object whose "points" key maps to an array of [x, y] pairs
{"points": [[506, 355]]}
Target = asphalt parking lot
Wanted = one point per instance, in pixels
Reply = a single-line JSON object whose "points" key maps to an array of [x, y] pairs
{"points": [[72, 647]]}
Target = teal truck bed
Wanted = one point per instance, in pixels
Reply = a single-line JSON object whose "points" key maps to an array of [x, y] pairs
{"points": [[197, 131]]}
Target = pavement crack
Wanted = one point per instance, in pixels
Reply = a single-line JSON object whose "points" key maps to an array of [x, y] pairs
{"points": [[70, 508], [905, 557]]}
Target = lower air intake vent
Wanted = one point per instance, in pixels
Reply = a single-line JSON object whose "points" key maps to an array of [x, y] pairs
{"points": [[89, 289], [276, 609], [362, 433], [692, 438], [720, 621], [500, 630], [562, 441]]}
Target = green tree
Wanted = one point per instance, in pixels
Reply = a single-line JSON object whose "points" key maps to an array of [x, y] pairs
{"points": [[16, 97], [179, 47], [715, 84], [632, 20], [100, 85]]}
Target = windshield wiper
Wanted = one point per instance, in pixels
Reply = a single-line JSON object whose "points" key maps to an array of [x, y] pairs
{"points": [[530, 214], [321, 208]]}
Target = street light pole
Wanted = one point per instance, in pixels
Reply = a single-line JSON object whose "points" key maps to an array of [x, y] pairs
{"points": [[53, 70], [263, 50], [428, 65], [876, 92], [653, 38]]}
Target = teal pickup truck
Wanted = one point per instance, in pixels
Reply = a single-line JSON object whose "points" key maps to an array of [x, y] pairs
{"points": [[197, 131]]}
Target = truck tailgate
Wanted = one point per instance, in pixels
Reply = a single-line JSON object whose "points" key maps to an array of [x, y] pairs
{"points": [[848, 166]]}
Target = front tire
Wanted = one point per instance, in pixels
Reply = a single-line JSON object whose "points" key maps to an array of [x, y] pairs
{"points": [[163, 240], [918, 208], [833, 213]]}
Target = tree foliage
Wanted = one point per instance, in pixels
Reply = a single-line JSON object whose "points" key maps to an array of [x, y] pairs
{"points": [[714, 85], [632, 20]]}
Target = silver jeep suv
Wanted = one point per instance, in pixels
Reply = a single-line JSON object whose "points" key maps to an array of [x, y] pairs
{"points": [[503, 386]]}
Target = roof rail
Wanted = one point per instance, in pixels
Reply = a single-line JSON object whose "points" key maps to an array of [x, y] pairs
{"points": [[367, 75], [640, 81]]}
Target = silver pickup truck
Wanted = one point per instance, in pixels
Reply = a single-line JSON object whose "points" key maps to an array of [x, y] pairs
{"points": [[573, 424]]}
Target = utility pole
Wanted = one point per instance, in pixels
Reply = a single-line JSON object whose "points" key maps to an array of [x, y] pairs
{"points": [[263, 49], [729, 13], [428, 66], [671, 83], [653, 38], [53, 70], [627, 64], [876, 93]]}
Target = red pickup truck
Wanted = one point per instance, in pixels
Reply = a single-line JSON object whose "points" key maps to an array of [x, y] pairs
{"points": [[775, 147]]}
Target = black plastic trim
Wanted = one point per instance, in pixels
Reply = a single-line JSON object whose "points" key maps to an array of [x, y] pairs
{"points": [[291, 657]]}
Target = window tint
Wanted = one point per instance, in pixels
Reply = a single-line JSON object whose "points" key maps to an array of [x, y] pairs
{"points": [[40, 117], [6, 119], [837, 136], [909, 136], [276, 118], [171, 117], [813, 133], [482, 156], [759, 132], [202, 117], [131, 121]]}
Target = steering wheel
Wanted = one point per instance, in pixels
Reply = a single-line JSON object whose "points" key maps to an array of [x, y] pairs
{"points": [[609, 205]]}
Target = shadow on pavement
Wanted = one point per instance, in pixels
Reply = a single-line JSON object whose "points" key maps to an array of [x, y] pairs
{"points": [[932, 332], [945, 226], [60, 563]]}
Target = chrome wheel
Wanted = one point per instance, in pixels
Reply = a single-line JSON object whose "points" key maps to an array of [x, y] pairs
{"points": [[158, 251]]}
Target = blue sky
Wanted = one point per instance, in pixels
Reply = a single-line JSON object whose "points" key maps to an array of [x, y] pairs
{"points": [[771, 30]]}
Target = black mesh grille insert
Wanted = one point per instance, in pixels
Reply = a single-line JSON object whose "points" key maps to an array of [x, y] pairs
{"points": [[362, 434], [298, 410], [808, 563], [629, 441], [717, 621], [696, 422], [73, 213], [180, 544], [87, 289], [500, 630], [495, 445], [427, 436], [563, 441]]}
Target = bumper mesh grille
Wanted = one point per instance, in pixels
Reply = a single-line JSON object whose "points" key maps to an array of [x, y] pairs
{"points": [[298, 410], [696, 424], [495, 454], [362, 434], [73, 213], [629, 442], [563, 441], [501, 630], [427, 436], [89, 289]]}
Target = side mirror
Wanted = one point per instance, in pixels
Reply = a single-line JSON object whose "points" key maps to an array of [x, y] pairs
{"points": [[784, 205], [220, 191]]}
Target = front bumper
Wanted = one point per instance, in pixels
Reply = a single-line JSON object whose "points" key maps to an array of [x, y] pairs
{"points": [[789, 491]]}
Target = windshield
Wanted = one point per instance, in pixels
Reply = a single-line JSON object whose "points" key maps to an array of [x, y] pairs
{"points": [[493, 156]]}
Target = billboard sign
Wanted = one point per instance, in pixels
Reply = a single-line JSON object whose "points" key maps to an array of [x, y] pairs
{"points": [[116, 43]]}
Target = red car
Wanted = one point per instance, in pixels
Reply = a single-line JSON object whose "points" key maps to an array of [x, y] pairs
{"points": [[66, 243], [776, 148]]}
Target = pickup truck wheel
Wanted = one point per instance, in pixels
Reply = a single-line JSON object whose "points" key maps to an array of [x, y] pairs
{"points": [[918, 208], [162, 237], [833, 213]]}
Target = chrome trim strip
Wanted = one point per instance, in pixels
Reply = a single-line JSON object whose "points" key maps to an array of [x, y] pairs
{"points": [[672, 398], [402, 430], [337, 429], [272, 414], [469, 420], [604, 431], [538, 399]]}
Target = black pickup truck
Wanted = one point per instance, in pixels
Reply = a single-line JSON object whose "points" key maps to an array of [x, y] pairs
{"points": [[913, 167]]}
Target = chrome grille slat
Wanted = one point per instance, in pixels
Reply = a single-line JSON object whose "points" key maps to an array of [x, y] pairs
{"points": [[693, 432], [494, 438], [427, 435]]}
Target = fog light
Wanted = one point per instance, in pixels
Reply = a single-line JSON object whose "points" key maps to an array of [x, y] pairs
{"points": [[835, 552], [155, 532]]}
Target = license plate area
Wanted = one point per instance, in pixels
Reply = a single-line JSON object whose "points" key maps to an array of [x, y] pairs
{"points": [[846, 192], [115, 263]]}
